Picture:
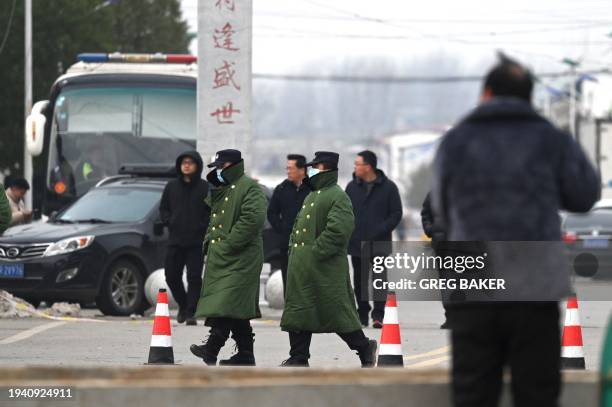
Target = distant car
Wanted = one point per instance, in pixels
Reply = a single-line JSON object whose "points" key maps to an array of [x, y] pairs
{"points": [[590, 234], [100, 249]]}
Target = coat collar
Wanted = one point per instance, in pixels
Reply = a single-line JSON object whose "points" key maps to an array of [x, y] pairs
{"points": [[231, 174], [500, 107], [323, 180], [380, 178]]}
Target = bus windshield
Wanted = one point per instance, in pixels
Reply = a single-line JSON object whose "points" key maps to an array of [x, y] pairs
{"points": [[95, 130]]}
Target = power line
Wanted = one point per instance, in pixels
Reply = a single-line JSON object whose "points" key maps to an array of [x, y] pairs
{"points": [[437, 20], [8, 27], [402, 79], [319, 34]]}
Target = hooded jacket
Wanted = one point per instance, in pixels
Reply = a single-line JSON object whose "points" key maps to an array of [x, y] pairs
{"points": [[183, 207]]}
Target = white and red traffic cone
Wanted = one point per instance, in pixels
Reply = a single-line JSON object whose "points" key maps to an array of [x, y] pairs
{"points": [[572, 351], [161, 341], [390, 349]]}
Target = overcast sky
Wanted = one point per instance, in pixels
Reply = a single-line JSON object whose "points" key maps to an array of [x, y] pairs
{"points": [[290, 33]]}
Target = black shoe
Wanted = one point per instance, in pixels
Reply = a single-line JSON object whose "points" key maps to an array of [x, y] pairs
{"points": [[445, 325], [181, 316], [244, 347], [364, 321], [203, 353], [209, 350], [377, 324], [239, 359], [367, 356], [295, 362], [192, 321]]}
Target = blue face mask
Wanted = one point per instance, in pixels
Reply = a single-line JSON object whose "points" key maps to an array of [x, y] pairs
{"points": [[312, 171], [219, 176]]}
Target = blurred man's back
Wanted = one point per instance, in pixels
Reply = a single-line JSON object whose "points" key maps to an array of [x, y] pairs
{"points": [[503, 174]]}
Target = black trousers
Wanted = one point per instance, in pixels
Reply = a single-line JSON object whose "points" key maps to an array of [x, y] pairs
{"points": [[223, 326], [522, 336], [361, 281], [177, 257], [284, 264], [300, 342]]}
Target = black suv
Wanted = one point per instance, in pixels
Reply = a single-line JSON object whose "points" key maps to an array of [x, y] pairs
{"points": [[101, 248]]}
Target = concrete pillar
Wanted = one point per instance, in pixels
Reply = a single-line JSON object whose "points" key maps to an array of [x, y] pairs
{"points": [[224, 76]]}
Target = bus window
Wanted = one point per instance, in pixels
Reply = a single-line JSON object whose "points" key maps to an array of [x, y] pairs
{"points": [[96, 130]]}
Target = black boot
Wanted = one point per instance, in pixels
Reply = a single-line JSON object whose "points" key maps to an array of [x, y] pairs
{"points": [[294, 361], [245, 355], [210, 349], [367, 356]]}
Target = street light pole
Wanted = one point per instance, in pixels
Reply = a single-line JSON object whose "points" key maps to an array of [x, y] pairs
{"points": [[572, 102], [27, 159]]}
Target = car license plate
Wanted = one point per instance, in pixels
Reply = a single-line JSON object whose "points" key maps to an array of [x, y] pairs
{"points": [[11, 270], [596, 243]]}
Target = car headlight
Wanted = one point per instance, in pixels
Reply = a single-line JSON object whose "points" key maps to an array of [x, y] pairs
{"points": [[69, 245]]}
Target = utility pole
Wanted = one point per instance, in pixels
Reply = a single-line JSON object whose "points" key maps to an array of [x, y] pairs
{"points": [[573, 64], [27, 159]]}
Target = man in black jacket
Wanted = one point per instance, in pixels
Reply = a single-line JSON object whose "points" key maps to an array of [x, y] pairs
{"points": [[377, 207], [184, 210], [502, 174], [285, 204], [433, 231]]}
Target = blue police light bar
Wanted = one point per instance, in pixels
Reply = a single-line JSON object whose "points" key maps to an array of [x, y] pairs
{"points": [[89, 57], [137, 58]]}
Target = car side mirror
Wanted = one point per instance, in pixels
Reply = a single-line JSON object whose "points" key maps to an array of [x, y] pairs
{"points": [[158, 228], [35, 129]]}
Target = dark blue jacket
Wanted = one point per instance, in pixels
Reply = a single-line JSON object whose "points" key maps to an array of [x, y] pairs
{"points": [[504, 172], [376, 213], [284, 206]]}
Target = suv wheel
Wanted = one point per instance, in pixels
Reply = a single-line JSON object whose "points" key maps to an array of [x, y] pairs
{"points": [[122, 291]]}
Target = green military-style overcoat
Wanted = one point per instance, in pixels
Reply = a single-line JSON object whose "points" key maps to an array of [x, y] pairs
{"points": [[235, 248], [319, 297]]}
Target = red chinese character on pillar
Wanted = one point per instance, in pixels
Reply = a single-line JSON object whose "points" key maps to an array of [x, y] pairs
{"points": [[224, 114], [224, 76], [223, 38], [228, 4]]}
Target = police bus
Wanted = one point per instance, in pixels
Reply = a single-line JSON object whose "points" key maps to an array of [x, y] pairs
{"points": [[107, 110]]}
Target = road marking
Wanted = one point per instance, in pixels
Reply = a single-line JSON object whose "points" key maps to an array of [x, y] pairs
{"points": [[30, 332], [435, 352], [428, 363]]}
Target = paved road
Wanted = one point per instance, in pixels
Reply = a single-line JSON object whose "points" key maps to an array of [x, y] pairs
{"points": [[98, 340]]}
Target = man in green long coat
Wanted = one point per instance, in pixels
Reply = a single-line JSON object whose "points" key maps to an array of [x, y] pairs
{"points": [[5, 211], [230, 290], [319, 297]]}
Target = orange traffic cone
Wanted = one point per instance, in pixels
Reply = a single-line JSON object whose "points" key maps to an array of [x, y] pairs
{"points": [[161, 341], [572, 352], [390, 350]]}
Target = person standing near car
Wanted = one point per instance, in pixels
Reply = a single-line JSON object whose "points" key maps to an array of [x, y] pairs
{"points": [[285, 204], [319, 297], [184, 210], [5, 212], [16, 189], [378, 210], [230, 295]]}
